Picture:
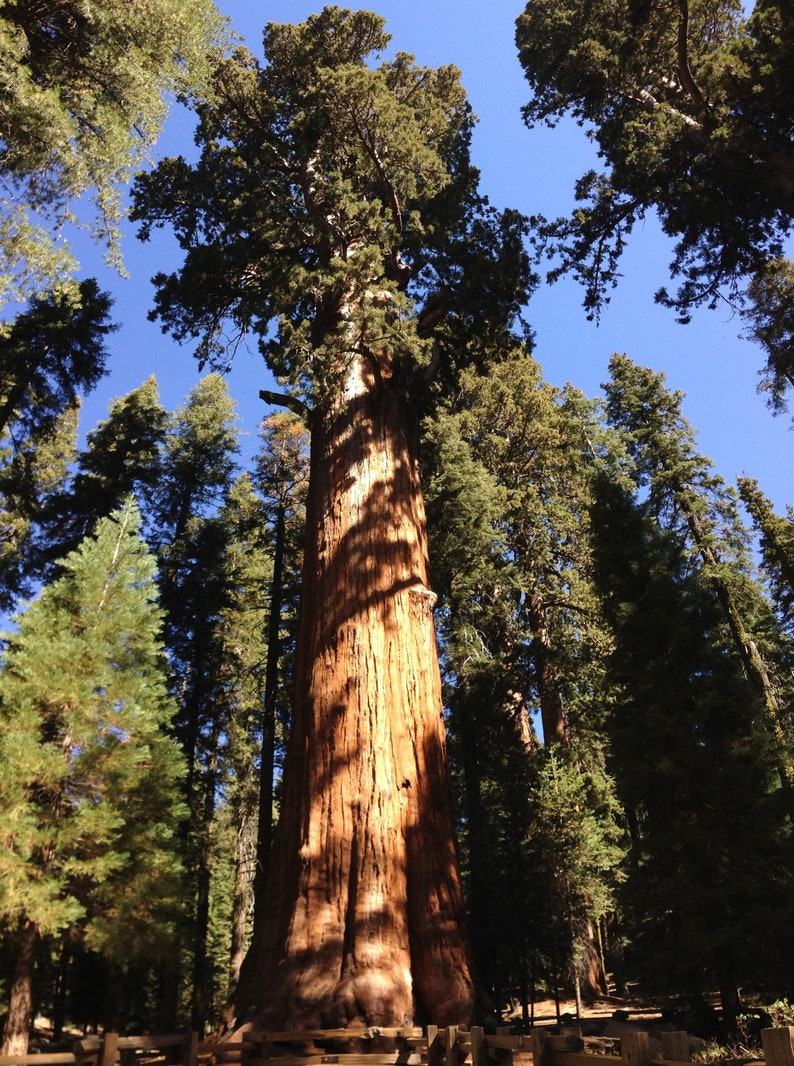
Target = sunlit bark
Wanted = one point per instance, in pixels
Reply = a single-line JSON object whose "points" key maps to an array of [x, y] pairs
{"points": [[364, 911]]}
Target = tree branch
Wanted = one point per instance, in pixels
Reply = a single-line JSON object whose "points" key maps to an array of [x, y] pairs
{"points": [[283, 399]]}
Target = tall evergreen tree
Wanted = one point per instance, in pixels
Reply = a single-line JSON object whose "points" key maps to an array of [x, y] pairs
{"points": [[508, 498], [89, 775], [53, 351], [689, 497], [282, 474], [198, 464], [34, 474], [50, 356], [123, 456], [246, 622], [777, 546], [694, 771], [350, 207]]}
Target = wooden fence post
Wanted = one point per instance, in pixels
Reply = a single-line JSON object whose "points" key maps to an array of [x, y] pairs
{"points": [[451, 1051], [478, 1052], [634, 1048], [539, 1056], [190, 1049], [778, 1046], [108, 1049], [675, 1046], [433, 1046]]}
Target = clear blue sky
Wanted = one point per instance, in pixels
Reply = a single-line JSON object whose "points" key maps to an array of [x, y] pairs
{"points": [[533, 171]]}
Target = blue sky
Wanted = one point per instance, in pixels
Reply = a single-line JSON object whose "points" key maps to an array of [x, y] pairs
{"points": [[533, 171]]}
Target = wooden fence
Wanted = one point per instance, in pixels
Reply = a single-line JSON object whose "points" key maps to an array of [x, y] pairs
{"points": [[395, 1047]]}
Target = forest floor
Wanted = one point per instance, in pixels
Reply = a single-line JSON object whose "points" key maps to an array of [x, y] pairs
{"points": [[545, 1009]]}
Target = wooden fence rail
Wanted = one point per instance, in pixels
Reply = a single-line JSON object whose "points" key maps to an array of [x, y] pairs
{"points": [[392, 1047]]}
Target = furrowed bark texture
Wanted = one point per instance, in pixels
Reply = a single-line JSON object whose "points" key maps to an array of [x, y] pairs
{"points": [[19, 1017], [364, 918]]}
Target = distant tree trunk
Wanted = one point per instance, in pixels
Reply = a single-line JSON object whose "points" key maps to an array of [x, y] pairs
{"points": [[264, 839], [592, 979], [552, 710], [481, 878], [202, 976], [241, 899], [364, 908], [17, 1027]]}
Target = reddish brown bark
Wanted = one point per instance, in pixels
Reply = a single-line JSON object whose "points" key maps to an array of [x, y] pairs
{"points": [[16, 1031], [364, 911]]}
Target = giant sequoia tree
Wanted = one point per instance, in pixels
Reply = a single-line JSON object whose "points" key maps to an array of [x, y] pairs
{"points": [[691, 106], [333, 212]]}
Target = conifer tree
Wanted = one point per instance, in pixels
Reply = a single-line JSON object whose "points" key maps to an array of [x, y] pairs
{"points": [[777, 546], [508, 497], [688, 497], [50, 356], [282, 474], [246, 622], [123, 456], [695, 773], [89, 776], [197, 468], [349, 228], [34, 475], [53, 351]]}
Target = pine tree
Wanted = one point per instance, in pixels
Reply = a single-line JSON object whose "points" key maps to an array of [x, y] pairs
{"points": [[34, 474], [50, 356], [89, 777], [53, 351], [244, 692], [282, 474], [777, 546]]}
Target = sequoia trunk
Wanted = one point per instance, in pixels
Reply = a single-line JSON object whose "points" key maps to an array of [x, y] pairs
{"points": [[363, 918]]}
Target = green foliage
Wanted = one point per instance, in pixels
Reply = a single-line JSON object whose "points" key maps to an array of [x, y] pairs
{"points": [[694, 771], [90, 778], [337, 206], [691, 110], [85, 87], [576, 841], [507, 468], [50, 355], [33, 474], [777, 547], [123, 456], [687, 497]]}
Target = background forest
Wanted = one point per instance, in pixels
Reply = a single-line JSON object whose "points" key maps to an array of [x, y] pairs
{"points": [[615, 619]]}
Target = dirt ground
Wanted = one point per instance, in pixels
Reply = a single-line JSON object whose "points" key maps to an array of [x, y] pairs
{"points": [[545, 1010]]}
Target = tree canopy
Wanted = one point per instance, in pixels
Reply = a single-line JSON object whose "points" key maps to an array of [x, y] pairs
{"points": [[347, 192], [86, 86], [691, 107]]}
